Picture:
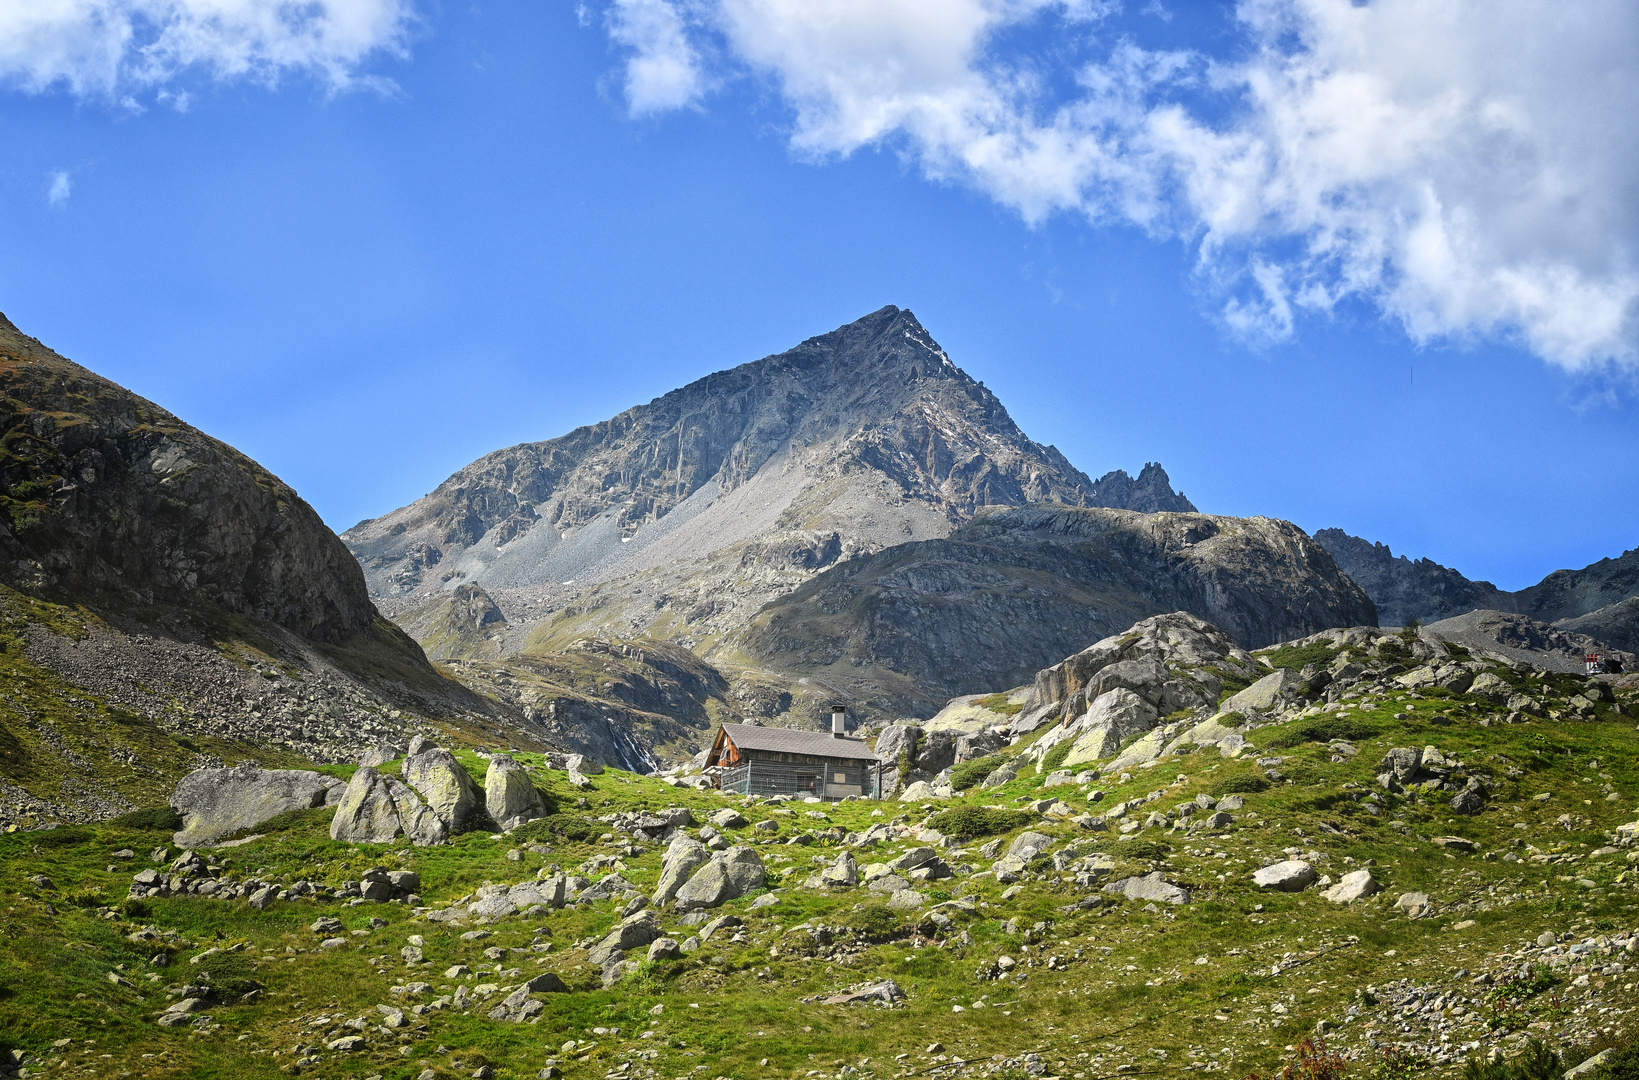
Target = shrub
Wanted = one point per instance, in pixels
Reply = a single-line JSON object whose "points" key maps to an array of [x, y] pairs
{"points": [[1311, 1061], [151, 819], [907, 757], [1232, 719], [972, 822], [969, 773], [1233, 681], [1239, 785], [1055, 757], [876, 925], [1153, 850], [1321, 729], [230, 975], [1623, 1064], [1395, 1063]]}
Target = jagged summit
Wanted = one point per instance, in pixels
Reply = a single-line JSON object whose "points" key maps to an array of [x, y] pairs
{"points": [[1151, 493]]}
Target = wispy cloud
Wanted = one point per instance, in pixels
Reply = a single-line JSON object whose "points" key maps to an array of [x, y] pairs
{"points": [[1467, 166], [58, 191], [106, 48]]}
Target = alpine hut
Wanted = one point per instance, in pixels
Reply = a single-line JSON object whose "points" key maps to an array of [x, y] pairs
{"points": [[756, 760]]}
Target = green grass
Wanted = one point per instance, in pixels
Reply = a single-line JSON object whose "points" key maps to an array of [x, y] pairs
{"points": [[1000, 703], [62, 943], [1321, 729], [1298, 657]]}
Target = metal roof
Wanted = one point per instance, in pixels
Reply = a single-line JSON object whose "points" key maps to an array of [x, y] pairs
{"points": [[792, 741]]}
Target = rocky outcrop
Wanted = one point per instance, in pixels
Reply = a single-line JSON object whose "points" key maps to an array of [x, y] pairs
{"points": [[1617, 625], [1517, 638], [108, 496], [509, 793], [464, 622], [216, 803], [1017, 589], [726, 876]]}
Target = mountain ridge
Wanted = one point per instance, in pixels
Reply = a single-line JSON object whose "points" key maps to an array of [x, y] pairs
{"points": [[1598, 600]]}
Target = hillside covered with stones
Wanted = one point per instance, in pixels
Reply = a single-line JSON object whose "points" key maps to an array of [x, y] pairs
{"points": [[1414, 850]]}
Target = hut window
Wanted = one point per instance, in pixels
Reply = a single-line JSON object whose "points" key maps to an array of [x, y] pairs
{"points": [[839, 778]]}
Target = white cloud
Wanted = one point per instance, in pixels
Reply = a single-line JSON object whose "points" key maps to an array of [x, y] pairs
{"points": [[101, 48], [663, 71], [59, 190], [1468, 166]]}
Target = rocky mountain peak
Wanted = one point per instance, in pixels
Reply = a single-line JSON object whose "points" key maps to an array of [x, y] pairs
{"points": [[869, 432]]}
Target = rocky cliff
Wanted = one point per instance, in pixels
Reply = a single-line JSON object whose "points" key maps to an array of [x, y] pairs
{"points": [[1151, 493], [1020, 588]]}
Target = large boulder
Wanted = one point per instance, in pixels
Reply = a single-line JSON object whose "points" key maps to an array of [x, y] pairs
{"points": [[215, 803], [1113, 717], [443, 784], [683, 858], [375, 809], [1149, 887], [1293, 875], [1027, 845], [509, 793], [1210, 732], [728, 875]]}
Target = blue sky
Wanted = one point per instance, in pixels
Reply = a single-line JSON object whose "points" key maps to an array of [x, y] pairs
{"points": [[374, 251]]}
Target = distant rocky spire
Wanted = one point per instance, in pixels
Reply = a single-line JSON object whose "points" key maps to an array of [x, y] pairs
{"points": [[1150, 493]]}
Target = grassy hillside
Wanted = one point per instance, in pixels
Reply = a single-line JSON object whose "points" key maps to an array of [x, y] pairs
{"points": [[1098, 985]]}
